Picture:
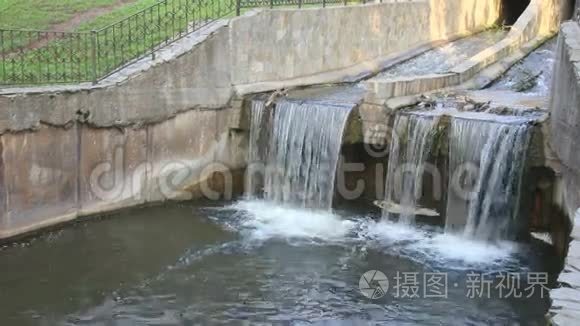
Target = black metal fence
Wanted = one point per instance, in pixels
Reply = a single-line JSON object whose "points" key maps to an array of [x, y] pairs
{"points": [[30, 57], [292, 3]]}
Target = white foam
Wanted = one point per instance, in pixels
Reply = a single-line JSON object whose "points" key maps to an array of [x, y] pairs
{"points": [[264, 220], [459, 249], [387, 232], [445, 250]]}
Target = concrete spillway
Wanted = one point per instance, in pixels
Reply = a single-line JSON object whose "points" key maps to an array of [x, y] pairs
{"points": [[442, 59], [533, 74], [527, 84]]}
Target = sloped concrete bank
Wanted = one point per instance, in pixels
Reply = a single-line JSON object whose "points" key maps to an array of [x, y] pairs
{"points": [[565, 104], [155, 130]]}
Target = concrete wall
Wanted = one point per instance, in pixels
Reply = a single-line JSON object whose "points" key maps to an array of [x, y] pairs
{"points": [[565, 132], [303, 42], [55, 174], [565, 105]]}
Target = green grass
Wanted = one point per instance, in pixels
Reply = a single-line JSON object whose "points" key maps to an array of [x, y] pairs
{"points": [[116, 15], [70, 59], [41, 14]]}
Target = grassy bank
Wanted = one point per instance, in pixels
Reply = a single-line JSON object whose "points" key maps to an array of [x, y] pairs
{"points": [[42, 14], [126, 33]]}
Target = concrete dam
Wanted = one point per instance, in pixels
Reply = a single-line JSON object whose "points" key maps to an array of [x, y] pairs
{"points": [[375, 163]]}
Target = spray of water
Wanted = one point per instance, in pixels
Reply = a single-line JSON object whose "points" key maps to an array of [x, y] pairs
{"points": [[261, 221]]}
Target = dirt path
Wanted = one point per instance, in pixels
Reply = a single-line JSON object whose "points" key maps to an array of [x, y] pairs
{"points": [[70, 25], [81, 17]]}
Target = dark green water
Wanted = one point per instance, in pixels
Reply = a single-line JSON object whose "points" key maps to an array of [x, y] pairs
{"points": [[254, 263]]}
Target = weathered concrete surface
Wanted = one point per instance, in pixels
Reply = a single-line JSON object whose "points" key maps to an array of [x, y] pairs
{"points": [[40, 177], [301, 42], [566, 97], [565, 132], [114, 159], [565, 309], [55, 174]]}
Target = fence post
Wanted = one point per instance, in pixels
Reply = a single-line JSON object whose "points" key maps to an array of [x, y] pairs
{"points": [[299, 3], [94, 44], [238, 7], [271, 4], [323, 3], [346, 2]]}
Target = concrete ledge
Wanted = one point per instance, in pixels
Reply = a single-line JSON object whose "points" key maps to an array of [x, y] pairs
{"points": [[404, 86]]}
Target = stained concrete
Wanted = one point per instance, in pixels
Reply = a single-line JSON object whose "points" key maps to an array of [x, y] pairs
{"points": [[565, 103], [565, 309], [56, 174]]}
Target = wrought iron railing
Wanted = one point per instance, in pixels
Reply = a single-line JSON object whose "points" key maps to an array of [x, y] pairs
{"points": [[30, 57], [294, 3]]}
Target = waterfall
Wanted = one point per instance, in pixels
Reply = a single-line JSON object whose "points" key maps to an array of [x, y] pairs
{"points": [[254, 175], [412, 139], [486, 164], [301, 151]]}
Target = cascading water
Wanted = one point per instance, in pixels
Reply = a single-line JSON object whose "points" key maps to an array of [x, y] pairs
{"points": [[412, 140], [254, 179], [302, 151], [486, 164]]}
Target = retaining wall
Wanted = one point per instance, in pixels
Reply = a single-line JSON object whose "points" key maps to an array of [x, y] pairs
{"points": [[565, 132]]}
